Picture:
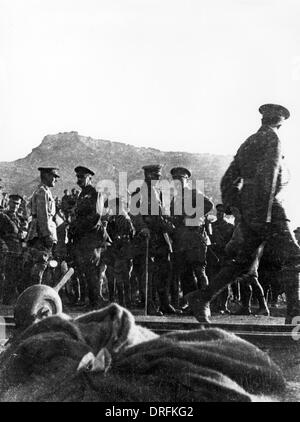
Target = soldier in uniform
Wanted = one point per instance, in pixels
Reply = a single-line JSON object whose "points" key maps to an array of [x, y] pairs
{"points": [[12, 232], [87, 237], [154, 226], [221, 233], [65, 204], [4, 201], [117, 256], [252, 183], [42, 235], [190, 241], [180, 176]]}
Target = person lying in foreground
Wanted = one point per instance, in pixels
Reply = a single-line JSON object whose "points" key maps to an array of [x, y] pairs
{"points": [[103, 356]]}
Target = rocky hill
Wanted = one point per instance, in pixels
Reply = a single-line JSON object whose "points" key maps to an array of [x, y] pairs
{"points": [[107, 159]]}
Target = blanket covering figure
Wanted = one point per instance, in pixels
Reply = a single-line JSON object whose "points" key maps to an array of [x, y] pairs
{"points": [[103, 356]]}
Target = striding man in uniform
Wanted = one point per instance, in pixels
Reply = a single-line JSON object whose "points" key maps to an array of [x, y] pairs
{"points": [[253, 184]]}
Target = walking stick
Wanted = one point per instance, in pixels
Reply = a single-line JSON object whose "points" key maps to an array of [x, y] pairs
{"points": [[146, 275]]}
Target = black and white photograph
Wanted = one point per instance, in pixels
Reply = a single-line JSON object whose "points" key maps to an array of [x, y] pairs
{"points": [[149, 210]]}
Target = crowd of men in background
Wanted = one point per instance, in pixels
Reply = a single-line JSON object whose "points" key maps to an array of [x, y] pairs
{"points": [[117, 253]]}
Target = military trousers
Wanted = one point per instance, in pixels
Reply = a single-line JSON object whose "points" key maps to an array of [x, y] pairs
{"points": [[159, 276], [190, 267], [12, 273], [281, 248], [3, 255], [87, 257], [35, 262], [118, 272]]}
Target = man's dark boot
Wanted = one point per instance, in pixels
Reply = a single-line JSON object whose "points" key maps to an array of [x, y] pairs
{"points": [[246, 295], [165, 306], [199, 300], [152, 309]]}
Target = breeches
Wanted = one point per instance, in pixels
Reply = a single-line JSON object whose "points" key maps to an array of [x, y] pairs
{"points": [[281, 249]]}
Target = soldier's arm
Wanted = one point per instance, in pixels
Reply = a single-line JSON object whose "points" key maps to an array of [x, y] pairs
{"points": [[230, 186], [6, 225], [42, 214]]}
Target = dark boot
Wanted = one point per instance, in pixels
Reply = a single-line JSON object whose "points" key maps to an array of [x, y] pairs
{"points": [[246, 295], [152, 309], [199, 299], [165, 306]]}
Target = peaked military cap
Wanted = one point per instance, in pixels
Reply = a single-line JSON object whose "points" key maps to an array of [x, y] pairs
{"points": [[153, 168], [274, 110], [84, 170], [180, 172], [16, 197], [49, 170]]}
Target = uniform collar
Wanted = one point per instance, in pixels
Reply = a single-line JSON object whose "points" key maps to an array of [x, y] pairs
{"points": [[86, 189], [267, 128], [42, 185]]}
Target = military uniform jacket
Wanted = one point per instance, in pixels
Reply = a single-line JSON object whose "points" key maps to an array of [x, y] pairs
{"points": [[42, 210], [152, 215], [222, 232], [11, 229], [248, 182], [87, 219], [177, 206], [150, 202]]}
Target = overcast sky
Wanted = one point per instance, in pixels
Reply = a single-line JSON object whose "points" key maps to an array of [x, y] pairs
{"points": [[170, 74]]}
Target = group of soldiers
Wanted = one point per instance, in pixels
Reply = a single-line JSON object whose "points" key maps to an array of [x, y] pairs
{"points": [[125, 249], [152, 256]]}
